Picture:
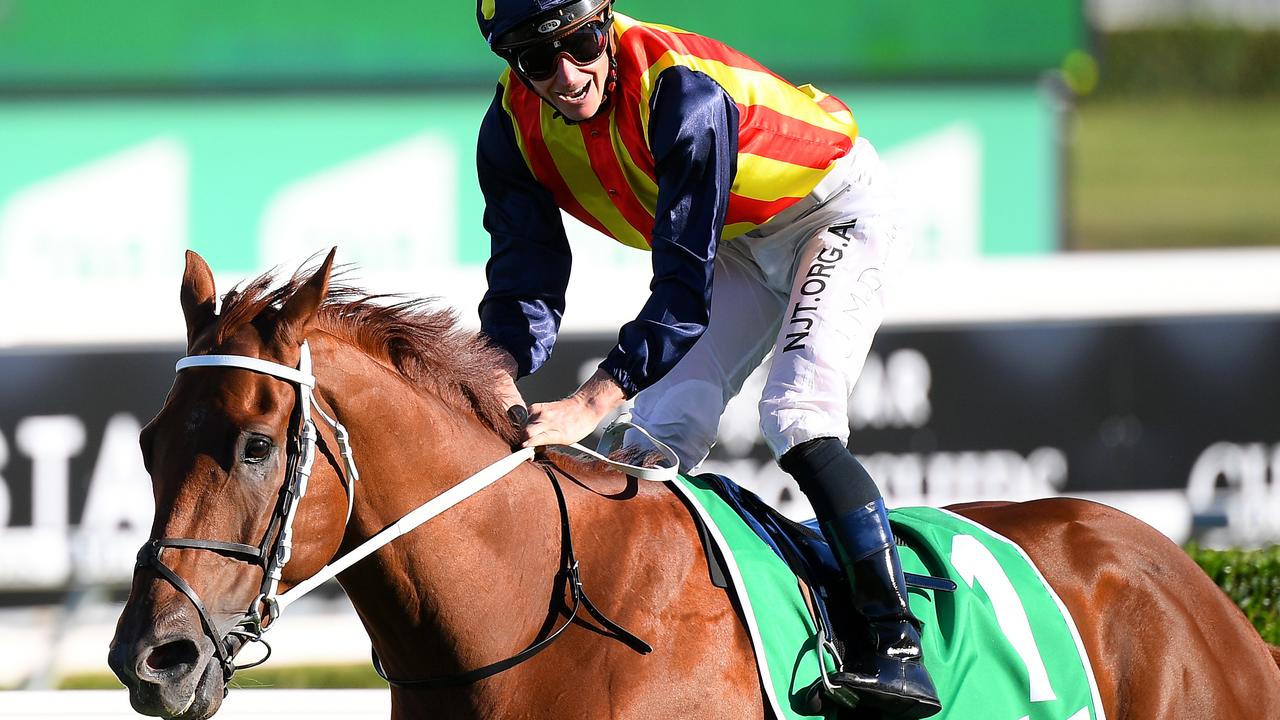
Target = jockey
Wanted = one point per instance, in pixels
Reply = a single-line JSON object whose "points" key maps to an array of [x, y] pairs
{"points": [[734, 179]]}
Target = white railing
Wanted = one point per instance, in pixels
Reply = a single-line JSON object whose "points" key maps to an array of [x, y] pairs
{"points": [[241, 704]]}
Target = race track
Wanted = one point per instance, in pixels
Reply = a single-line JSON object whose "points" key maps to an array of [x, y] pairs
{"points": [[241, 704]]}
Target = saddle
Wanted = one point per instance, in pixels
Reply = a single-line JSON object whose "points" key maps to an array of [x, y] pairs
{"points": [[806, 552], [796, 606]]}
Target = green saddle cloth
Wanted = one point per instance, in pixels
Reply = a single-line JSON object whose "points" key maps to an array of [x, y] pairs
{"points": [[1001, 647]]}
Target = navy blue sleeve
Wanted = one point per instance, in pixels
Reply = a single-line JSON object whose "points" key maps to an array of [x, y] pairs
{"points": [[693, 132], [529, 258]]}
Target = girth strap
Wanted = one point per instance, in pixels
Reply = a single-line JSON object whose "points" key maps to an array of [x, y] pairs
{"points": [[580, 599]]}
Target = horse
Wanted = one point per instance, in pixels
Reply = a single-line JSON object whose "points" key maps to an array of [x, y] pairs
{"points": [[488, 579]]}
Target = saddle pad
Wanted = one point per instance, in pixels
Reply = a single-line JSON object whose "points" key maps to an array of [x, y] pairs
{"points": [[1002, 647]]}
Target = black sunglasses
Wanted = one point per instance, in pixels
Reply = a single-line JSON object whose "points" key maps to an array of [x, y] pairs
{"points": [[584, 45]]}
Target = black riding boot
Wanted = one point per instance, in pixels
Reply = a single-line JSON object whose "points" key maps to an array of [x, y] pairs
{"points": [[884, 671], [890, 673]]}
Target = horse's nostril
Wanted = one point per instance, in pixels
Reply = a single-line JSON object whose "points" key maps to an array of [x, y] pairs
{"points": [[166, 657]]}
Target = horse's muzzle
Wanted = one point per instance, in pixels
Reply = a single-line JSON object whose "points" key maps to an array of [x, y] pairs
{"points": [[168, 677]]}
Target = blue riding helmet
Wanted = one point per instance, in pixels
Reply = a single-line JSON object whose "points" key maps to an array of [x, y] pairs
{"points": [[507, 24]]}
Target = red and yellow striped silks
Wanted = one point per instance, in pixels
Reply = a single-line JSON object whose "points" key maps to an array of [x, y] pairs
{"points": [[602, 172]]}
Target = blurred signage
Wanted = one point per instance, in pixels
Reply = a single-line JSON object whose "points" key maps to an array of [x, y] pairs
{"points": [[75, 500], [1174, 420], [99, 196], [61, 43], [1181, 414]]}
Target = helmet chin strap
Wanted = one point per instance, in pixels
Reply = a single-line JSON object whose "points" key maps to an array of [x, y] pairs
{"points": [[611, 81]]}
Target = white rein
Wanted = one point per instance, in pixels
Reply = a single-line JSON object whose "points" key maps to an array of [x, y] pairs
{"points": [[303, 377]]}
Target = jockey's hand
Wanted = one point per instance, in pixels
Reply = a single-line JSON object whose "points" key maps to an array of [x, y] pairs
{"points": [[569, 420]]}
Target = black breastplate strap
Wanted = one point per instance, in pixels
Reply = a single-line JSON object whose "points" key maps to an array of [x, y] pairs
{"points": [[580, 600]]}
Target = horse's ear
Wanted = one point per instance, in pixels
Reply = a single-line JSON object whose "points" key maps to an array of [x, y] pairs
{"points": [[198, 296], [299, 311]]}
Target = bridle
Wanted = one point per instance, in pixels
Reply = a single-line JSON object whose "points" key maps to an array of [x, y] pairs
{"points": [[272, 556], [275, 549]]}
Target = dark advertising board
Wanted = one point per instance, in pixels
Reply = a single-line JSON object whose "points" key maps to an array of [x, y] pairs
{"points": [[75, 501], [1176, 420], [1183, 414]]}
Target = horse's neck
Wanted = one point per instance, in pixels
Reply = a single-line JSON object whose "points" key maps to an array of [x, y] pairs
{"points": [[480, 582], [469, 585]]}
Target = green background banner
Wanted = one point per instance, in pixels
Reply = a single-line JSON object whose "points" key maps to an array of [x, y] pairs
{"points": [[88, 184], [196, 43]]}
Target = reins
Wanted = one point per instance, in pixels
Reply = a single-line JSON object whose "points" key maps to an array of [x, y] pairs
{"points": [[273, 557]]}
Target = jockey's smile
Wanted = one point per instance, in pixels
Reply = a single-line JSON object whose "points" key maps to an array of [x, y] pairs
{"points": [[577, 91], [571, 72]]}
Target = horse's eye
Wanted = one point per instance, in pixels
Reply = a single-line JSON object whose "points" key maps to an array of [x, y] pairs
{"points": [[256, 449]]}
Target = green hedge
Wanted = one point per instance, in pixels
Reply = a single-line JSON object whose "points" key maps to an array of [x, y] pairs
{"points": [[1194, 60], [1252, 579]]}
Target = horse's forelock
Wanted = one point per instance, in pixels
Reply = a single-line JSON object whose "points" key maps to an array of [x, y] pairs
{"points": [[423, 344], [243, 305]]}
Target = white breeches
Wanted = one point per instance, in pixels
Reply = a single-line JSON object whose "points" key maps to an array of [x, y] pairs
{"points": [[809, 287]]}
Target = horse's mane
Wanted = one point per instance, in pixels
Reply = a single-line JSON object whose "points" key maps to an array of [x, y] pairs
{"points": [[424, 345]]}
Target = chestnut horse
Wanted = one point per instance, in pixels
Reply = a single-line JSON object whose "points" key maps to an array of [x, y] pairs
{"points": [[483, 581]]}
